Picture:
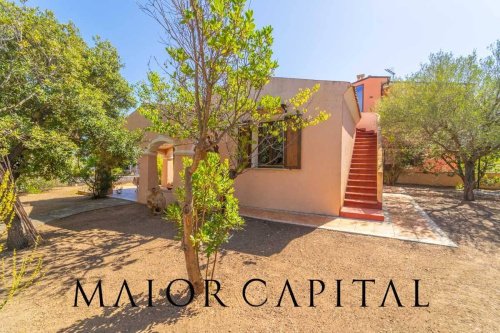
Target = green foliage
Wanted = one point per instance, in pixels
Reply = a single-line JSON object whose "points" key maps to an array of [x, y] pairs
{"points": [[61, 99], [215, 208], [490, 182], [7, 200], [16, 273], [450, 107], [214, 84], [401, 151], [159, 166], [217, 64], [35, 185], [108, 148]]}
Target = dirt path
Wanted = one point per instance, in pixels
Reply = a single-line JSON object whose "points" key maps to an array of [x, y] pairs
{"points": [[125, 242]]}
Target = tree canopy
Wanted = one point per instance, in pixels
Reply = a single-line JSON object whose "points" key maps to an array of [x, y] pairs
{"points": [[60, 98], [452, 107], [217, 64]]}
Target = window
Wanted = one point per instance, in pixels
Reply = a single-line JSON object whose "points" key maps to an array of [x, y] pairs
{"points": [[281, 149], [359, 94], [271, 149]]}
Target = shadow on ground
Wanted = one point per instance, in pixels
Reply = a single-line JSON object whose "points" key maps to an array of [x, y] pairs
{"points": [[88, 242], [472, 223], [264, 238], [135, 319]]}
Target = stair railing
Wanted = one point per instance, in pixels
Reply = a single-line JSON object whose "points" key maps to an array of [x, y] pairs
{"points": [[380, 162]]}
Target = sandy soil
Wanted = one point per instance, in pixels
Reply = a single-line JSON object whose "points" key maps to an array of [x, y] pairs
{"points": [[125, 242]]}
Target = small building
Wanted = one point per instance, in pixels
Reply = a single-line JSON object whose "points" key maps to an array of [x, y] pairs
{"points": [[334, 169]]}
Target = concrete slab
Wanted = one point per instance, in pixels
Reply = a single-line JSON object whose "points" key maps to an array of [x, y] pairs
{"points": [[405, 220]]}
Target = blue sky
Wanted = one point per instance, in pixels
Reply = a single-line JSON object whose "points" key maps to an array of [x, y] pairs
{"points": [[316, 39]]}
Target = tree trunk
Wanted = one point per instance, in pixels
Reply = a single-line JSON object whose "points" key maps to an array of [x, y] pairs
{"points": [[469, 180], [16, 238], [190, 255], [21, 232], [391, 175]]}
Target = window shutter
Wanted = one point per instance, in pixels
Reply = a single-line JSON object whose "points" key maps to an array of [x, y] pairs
{"points": [[293, 148], [245, 146]]}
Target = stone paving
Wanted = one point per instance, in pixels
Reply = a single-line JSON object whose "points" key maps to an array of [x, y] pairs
{"points": [[63, 202], [404, 220], [126, 192]]}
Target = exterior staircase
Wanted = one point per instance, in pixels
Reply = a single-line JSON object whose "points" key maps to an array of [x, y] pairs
{"points": [[361, 194]]}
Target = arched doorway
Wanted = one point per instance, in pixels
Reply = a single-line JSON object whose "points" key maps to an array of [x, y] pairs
{"points": [[156, 168]]}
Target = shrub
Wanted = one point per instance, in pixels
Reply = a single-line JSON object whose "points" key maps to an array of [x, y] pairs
{"points": [[34, 185], [216, 211]]}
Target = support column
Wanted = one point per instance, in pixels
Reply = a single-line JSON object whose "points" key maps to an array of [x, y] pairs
{"points": [[164, 169], [177, 164], [170, 166], [148, 175]]}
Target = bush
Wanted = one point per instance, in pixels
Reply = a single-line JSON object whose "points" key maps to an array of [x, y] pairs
{"points": [[490, 182], [35, 185], [100, 180], [215, 211]]}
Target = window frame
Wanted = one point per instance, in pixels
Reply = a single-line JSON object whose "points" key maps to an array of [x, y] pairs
{"points": [[283, 148], [361, 101]]}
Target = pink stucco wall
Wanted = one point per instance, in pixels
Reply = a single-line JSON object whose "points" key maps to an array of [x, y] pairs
{"points": [[318, 186], [372, 91], [368, 121], [349, 120]]}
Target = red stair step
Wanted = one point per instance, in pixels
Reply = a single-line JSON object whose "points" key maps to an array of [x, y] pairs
{"points": [[358, 166], [363, 171], [363, 176], [363, 164], [361, 196], [362, 203], [362, 213], [361, 189], [364, 160], [360, 158], [361, 182]]}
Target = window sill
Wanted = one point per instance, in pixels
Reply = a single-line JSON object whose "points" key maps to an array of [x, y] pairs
{"points": [[271, 168]]}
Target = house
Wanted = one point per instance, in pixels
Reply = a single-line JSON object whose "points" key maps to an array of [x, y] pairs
{"points": [[369, 89], [334, 168]]}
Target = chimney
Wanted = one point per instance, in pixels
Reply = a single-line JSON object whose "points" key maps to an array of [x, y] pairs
{"points": [[360, 77]]}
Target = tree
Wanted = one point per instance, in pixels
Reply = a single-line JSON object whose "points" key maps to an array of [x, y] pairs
{"points": [[17, 273], [103, 153], [489, 163], [58, 97], [400, 153], [452, 105], [215, 209], [218, 62]]}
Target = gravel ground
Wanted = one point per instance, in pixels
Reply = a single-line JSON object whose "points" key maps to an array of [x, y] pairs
{"points": [[113, 244]]}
